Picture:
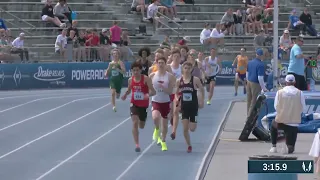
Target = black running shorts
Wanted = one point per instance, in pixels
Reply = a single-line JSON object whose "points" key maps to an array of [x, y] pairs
{"points": [[141, 112], [209, 79], [189, 115]]}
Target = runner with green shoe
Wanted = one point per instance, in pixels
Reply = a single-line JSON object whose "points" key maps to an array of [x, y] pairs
{"points": [[115, 72]]}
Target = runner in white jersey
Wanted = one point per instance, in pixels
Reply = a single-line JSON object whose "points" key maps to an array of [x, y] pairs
{"points": [[177, 72], [163, 82], [213, 66]]}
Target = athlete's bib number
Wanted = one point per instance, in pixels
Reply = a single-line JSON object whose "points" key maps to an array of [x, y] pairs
{"points": [[187, 97], [115, 73], [160, 90], [138, 96]]}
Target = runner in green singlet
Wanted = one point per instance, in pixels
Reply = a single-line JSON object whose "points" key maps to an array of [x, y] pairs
{"points": [[116, 71]]}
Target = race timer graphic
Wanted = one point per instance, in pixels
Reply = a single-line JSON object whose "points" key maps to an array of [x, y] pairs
{"points": [[281, 166]]}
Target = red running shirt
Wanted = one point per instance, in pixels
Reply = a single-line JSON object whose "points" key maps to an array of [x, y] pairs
{"points": [[139, 89]]}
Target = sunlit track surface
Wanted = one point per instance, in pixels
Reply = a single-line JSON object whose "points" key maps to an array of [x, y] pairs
{"points": [[74, 134]]}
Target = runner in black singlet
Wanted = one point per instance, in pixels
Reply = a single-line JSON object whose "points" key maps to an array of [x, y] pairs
{"points": [[144, 53], [188, 86]]}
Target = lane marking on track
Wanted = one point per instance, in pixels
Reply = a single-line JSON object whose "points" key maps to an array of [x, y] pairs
{"points": [[82, 149], [40, 99], [51, 132], [35, 95]]}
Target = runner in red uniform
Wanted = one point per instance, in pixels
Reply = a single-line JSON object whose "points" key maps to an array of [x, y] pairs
{"points": [[142, 88]]}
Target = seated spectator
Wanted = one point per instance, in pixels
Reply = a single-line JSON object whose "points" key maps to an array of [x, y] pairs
{"points": [[152, 13], [184, 41], [257, 14], [285, 42], [74, 40], [295, 23], [259, 40], [125, 39], [166, 42], [18, 47], [306, 18], [5, 49], [269, 6], [62, 11], [267, 21], [115, 33], [238, 22], [74, 28], [228, 22], [218, 37], [61, 44], [205, 38], [105, 45], [92, 43], [139, 6], [250, 25], [82, 47], [172, 9], [47, 15]]}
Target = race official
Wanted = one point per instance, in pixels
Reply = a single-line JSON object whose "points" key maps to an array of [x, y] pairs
{"points": [[289, 103], [297, 65], [255, 76]]}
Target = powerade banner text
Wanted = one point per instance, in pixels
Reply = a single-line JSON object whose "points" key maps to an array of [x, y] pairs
{"points": [[82, 75]]}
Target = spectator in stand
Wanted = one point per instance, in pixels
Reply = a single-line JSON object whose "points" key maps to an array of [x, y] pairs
{"points": [[73, 38], [184, 41], [228, 22], [125, 42], [259, 40], [152, 12], [5, 48], [205, 38], [47, 15], [82, 47], [172, 9], [250, 22], [285, 42], [74, 28], [295, 23], [269, 6], [105, 45], [18, 47], [267, 21], [93, 42], [62, 11], [61, 44], [139, 6], [238, 18], [2, 24], [115, 33], [218, 37], [306, 18], [257, 15]]}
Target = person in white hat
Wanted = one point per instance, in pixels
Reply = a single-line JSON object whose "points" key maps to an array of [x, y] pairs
{"points": [[18, 47], [289, 103]]}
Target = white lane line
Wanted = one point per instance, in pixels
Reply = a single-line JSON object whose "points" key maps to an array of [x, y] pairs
{"points": [[51, 132], [40, 99], [136, 160], [82, 149], [35, 95], [48, 111]]}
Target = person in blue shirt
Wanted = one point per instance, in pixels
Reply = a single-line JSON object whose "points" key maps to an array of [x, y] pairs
{"points": [[297, 65], [295, 23], [2, 24], [255, 79]]}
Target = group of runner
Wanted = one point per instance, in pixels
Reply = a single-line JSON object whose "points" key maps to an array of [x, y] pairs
{"points": [[175, 84]]}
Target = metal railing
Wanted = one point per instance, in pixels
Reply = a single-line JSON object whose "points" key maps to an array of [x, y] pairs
{"points": [[180, 27], [17, 19]]}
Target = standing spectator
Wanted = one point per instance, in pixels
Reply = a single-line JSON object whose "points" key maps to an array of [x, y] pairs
{"points": [[74, 28], [255, 79], [295, 23], [297, 65], [18, 47], [259, 39], [47, 15], [139, 6], [92, 43], [62, 11], [105, 47], [228, 22], [82, 47], [238, 22], [61, 44], [115, 33], [218, 37], [306, 18], [289, 103]]}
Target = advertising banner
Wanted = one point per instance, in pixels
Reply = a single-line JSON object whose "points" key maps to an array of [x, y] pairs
{"points": [[82, 75]]}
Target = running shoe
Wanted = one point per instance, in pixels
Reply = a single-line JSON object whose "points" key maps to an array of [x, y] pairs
{"points": [[137, 148], [208, 102], [164, 146], [189, 149], [235, 94], [118, 95], [159, 141], [114, 109], [156, 133], [173, 136]]}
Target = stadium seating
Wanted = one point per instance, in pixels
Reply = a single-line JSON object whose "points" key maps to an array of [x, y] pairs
{"points": [[25, 15]]}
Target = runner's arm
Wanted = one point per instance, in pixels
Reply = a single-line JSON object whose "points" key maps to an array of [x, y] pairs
{"points": [[152, 91], [168, 68], [123, 68], [235, 61], [108, 70], [172, 82], [177, 91], [220, 64], [150, 70], [129, 87], [200, 87]]}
